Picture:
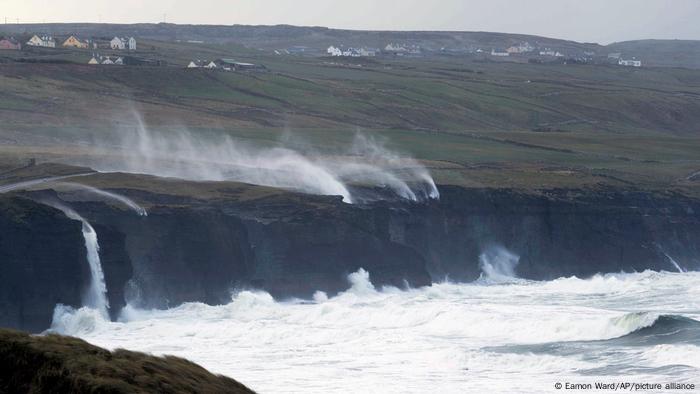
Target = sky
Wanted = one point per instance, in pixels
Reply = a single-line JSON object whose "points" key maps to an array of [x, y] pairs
{"points": [[601, 21]]}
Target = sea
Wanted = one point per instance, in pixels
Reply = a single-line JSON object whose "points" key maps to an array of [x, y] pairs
{"points": [[495, 335]]}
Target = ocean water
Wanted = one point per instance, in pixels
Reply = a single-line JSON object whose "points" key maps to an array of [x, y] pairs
{"points": [[498, 336]]}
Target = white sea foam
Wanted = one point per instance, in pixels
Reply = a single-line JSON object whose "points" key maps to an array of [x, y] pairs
{"points": [[439, 338]]}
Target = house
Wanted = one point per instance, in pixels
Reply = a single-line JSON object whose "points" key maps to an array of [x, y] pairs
{"points": [[43, 41], [368, 52], [107, 61], [630, 63], [194, 64], [210, 65], [93, 60], [74, 42], [232, 65], [551, 52], [333, 51], [117, 43], [10, 43], [119, 61], [499, 53], [520, 48], [401, 50], [123, 43]]}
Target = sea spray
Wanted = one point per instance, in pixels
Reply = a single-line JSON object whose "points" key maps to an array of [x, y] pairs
{"points": [[110, 195], [96, 295], [442, 337], [675, 263], [498, 264], [184, 155]]}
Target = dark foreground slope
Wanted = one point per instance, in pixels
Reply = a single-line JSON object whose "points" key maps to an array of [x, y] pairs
{"points": [[57, 364]]}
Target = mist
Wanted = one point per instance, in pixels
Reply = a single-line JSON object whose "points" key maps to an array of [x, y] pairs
{"points": [[179, 153]]}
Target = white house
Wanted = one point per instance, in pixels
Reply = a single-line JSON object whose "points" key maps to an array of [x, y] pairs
{"points": [[107, 61], [521, 48], [499, 53], [123, 43], [117, 43], [367, 52], [333, 51], [93, 60], [550, 52], [43, 41], [193, 64], [630, 63], [211, 65]]}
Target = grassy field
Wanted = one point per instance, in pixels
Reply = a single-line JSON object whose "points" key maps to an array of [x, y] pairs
{"points": [[473, 123]]}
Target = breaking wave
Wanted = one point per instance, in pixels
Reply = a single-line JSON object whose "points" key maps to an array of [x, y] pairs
{"points": [[441, 337]]}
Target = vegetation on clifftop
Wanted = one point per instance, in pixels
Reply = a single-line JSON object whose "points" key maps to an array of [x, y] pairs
{"points": [[57, 364]]}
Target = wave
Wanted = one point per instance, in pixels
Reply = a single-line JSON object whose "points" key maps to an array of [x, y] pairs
{"points": [[664, 330]]}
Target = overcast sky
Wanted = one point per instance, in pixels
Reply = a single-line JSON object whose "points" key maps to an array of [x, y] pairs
{"points": [[601, 21]]}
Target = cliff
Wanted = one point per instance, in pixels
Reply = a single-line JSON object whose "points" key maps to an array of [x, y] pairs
{"points": [[56, 364], [203, 240]]}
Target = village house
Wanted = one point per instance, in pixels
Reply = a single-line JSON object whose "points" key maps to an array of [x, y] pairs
{"points": [[123, 43], [233, 65], [74, 42], [401, 50], [499, 53], [10, 43], [333, 51], [551, 52], [520, 48], [43, 41], [106, 60], [194, 64], [630, 63], [351, 52]]}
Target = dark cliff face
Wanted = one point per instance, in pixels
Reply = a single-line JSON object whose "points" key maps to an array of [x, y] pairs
{"points": [[42, 263], [560, 233], [189, 250]]}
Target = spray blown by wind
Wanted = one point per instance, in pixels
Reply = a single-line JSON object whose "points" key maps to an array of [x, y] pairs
{"points": [[181, 154], [498, 264], [141, 211], [96, 296]]}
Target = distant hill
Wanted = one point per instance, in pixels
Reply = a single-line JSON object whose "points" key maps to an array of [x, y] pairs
{"points": [[665, 53]]}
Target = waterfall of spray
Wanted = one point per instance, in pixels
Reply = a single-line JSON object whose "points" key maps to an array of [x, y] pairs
{"points": [[34, 182], [181, 154], [498, 264], [141, 211], [675, 263], [96, 296]]}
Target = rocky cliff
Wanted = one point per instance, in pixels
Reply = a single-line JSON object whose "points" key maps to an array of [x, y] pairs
{"points": [[204, 244]]}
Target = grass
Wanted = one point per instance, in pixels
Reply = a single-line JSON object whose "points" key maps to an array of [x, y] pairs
{"points": [[52, 363], [474, 123]]}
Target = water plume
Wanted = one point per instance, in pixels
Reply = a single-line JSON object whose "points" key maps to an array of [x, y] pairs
{"points": [[181, 154], [96, 296], [498, 264], [141, 211]]}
